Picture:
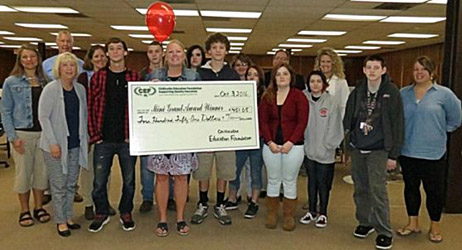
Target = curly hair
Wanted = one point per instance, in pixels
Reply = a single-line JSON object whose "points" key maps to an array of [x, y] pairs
{"points": [[337, 63], [217, 38]]}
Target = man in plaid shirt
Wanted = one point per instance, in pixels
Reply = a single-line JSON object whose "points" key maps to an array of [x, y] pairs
{"points": [[108, 129]]}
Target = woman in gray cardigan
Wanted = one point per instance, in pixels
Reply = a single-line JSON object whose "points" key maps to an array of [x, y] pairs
{"points": [[64, 141]]}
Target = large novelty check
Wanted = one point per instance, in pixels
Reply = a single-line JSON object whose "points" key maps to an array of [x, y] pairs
{"points": [[178, 117]]}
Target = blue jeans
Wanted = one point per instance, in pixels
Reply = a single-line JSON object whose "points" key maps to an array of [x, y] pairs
{"points": [[256, 162], [103, 157], [147, 180]]}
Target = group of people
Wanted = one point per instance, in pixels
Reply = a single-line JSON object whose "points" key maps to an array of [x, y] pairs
{"points": [[64, 114]]}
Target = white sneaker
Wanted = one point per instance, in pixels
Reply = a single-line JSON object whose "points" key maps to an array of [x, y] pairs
{"points": [[321, 222], [307, 219]]}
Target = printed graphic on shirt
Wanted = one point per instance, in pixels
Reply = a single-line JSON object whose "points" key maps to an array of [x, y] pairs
{"points": [[323, 112]]}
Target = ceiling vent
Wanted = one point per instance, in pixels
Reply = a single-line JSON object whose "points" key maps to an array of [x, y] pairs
{"points": [[396, 6]]}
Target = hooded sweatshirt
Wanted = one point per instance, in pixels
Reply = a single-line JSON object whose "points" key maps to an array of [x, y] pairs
{"points": [[325, 129]]}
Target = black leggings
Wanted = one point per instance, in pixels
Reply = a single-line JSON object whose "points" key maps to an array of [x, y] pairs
{"points": [[320, 177], [432, 174]]}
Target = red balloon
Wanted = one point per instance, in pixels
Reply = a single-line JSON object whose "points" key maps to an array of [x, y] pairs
{"points": [[160, 20]]}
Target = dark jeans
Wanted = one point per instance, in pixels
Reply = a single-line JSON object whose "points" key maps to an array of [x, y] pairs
{"points": [[432, 174], [104, 155], [256, 163], [320, 177]]}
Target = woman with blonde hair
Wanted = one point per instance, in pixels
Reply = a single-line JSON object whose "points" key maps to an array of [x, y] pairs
{"points": [[64, 141], [331, 65], [177, 165], [21, 93]]}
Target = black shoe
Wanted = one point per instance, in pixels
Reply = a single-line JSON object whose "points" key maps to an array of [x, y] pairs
{"points": [[65, 233], [383, 242], [46, 199], [127, 222], [251, 210], [98, 223], [74, 226], [111, 211], [77, 197], [262, 194], [363, 231], [171, 205], [146, 206], [230, 205], [89, 213]]}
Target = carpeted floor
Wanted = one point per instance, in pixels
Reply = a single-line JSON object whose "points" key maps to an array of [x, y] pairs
{"points": [[242, 234]]}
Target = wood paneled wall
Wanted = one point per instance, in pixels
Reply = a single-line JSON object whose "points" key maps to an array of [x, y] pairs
{"points": [[400, 63]]}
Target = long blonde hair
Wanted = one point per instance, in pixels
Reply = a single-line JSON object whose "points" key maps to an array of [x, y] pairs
{"points": [[337, 63]]}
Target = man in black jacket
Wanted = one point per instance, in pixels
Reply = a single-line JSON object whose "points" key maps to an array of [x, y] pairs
{"points": [[374, 121], [283, 56]]}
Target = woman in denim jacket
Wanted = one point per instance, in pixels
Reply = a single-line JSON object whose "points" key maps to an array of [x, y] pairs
{"points": [[21, 92], [177, 165]]}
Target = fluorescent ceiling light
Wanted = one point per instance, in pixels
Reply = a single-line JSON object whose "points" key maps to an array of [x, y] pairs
{"points": [[237, 38], [4, 8], [129, 27], [438, 1], [345, 51], [2, 42], [362, 47], [302, 40], [100, 44], [4, 32], [286, 45], [143, 11], [235, 48], [230, 14], [412, 19], [342, 54], [148, 36], [41, 25], [377, 42], [130, 49], [15, 38], [46, 44], [74, 48], [296, 50], [391, 1], [9, 46], [73, 34], [321, 33], [271, 53], [228, 30], [237, 44], [412, 35], [343, 17], [234, 52], [60, 10]]}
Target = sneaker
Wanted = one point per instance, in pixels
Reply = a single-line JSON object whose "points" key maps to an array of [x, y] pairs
{"points": [[127, 222], [171, 205], [98, 223], [251, 210], [383, 242], [230, 205], [111, 210], [200, 214], [220, 213], [363, 231], [308, 218], [321, 222], [146, 206], [89, 213], [77, 197]]}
